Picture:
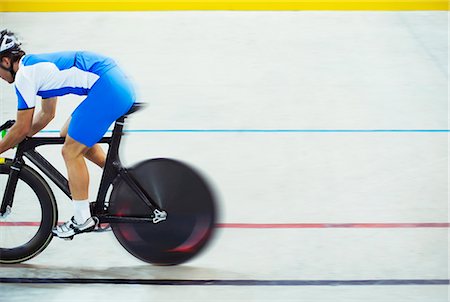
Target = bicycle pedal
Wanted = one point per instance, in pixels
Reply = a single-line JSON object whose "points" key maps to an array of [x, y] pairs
{"points": [[68, 238]]}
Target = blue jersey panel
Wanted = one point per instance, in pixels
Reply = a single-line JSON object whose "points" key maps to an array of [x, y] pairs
{"points": [[62, 60], [21, 102], [83, 60], [63, 91], [92, 62]]}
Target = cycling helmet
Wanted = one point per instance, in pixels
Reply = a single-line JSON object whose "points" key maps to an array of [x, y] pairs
{"points": [[9, 45], [8, 42]]}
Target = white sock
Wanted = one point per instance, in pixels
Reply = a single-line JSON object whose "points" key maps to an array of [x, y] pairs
{"points": [[82, 210]]}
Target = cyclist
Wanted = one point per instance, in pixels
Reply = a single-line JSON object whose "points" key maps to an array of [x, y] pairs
{"points": [[109, 95]]}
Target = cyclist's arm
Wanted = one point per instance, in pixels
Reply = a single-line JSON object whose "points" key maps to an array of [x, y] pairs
{"points": [[44, 116], [19, 131]]}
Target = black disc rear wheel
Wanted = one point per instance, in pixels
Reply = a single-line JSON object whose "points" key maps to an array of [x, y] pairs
{"points": [[183, 194]]}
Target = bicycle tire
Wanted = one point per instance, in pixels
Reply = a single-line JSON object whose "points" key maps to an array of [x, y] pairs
{"points": [[49, 217], [186, 197]]}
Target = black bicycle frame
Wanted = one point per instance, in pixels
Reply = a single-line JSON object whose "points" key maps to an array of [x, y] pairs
{"points": [[113, 169]]}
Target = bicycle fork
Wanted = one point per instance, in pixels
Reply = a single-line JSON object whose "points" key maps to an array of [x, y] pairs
{"points": [[8, 196]]}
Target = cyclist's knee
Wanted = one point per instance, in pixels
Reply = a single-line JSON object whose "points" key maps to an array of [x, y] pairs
{"points": [[72, 149], [68, 153]]}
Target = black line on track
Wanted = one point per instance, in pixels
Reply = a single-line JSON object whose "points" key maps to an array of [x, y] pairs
{"points": [[220, 282]]}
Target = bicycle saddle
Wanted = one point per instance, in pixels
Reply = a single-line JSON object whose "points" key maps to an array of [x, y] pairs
{"points": [[136, 106]]}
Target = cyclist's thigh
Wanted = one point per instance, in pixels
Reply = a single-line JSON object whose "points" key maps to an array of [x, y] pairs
{"points": [[110, 98]]}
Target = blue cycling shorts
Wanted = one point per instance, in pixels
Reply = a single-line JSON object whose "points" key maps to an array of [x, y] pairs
{"points": [[110, 97]]}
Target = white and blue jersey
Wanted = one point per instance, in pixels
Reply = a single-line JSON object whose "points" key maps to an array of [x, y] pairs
{"points": [[109, 93], [57, 74]]}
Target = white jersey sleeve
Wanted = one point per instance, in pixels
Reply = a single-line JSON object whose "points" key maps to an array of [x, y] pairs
{"points": [[26, 90]]}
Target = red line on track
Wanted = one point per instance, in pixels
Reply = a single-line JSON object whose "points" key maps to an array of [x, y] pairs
{"points": [[296, 225], [331, 225], [19, 223]]}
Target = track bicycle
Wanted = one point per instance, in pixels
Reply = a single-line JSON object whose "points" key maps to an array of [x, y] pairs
{"points": [[161, 210]]}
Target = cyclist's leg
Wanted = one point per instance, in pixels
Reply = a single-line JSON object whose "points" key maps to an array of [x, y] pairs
{"points": [[73, 153], [111, 97], [95, 154]]}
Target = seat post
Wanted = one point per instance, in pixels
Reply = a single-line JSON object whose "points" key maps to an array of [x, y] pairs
{"points": [[112, 164], [116, 137]]}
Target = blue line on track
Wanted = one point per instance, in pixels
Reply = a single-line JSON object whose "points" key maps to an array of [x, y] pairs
{"points": [[277, 131], [220, 282]]}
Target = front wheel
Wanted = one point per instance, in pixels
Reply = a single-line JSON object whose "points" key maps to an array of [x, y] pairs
{"points": [[27, 229], [183, 194]]}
